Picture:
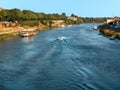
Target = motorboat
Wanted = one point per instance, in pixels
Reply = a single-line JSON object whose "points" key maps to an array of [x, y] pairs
{"points": [[95, 27], [61, 26], [112, 38]]}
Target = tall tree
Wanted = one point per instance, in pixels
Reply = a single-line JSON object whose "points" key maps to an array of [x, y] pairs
{"points": [[63, 16], [29, 15], [15, 14]]}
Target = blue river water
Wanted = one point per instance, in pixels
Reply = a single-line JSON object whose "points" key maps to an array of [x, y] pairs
{"points": [[84, 60]]}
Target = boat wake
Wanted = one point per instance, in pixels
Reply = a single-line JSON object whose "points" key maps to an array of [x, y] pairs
{"points": [[62, 38]]}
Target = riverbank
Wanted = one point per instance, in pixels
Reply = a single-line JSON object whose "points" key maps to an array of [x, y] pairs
{"points": [[108, 31], [10, 31], [111, 28], [14, 31]]}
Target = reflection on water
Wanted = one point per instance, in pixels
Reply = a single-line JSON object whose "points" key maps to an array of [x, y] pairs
{"points": [[83, 60], [27, 39]]}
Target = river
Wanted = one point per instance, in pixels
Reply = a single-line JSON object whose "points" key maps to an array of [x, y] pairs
{"points": [[84, 60]]}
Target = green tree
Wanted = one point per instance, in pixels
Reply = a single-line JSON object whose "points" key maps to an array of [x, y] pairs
{"points": [[3, 15], [29, 15], [15, 14], [63, 16], [41, 16], [73, 15], [0, 17]]}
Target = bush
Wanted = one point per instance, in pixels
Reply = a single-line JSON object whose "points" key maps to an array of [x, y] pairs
{"points": [[29, 23]]}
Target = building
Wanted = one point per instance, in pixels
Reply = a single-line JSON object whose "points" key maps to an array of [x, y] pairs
{"points": [[114, 22], [1, 9], [109, 20], [4, 24], [7, 24], [57, 22], [73, 18], [113, 19]]}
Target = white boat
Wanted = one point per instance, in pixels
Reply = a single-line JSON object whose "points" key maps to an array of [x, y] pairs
{"points": [[95, 27], [69, 25], [61, 26], [27, 33]]}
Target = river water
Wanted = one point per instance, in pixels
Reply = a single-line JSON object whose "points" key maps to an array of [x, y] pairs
{"points": [[84, 60]]}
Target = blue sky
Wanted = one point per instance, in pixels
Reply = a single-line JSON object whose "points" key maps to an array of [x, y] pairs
{"points": [[83, 8]]}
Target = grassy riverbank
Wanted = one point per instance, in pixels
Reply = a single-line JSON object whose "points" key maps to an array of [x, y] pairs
{"points": [[14, 31], [3, 36]]}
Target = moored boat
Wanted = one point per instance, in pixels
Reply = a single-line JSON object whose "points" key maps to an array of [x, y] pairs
{"points": [[27, 33], [95, 27], [112, 38], [61, 26]]}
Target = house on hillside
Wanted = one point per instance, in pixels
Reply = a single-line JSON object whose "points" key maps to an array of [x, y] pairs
{"points": [[4, 24], [73, 18], [57, 22], [1, 9], [114, 22], [109, 20], [7, 24]]}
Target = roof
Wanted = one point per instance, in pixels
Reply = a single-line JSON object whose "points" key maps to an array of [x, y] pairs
{"points": [[4, 22]]}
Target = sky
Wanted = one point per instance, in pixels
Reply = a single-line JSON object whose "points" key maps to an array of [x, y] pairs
{"points": [[81, 8]]}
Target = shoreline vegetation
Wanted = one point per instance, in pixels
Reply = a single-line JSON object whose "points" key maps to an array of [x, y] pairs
{"points": [[14, 31], [14, 20], [110, 32]]}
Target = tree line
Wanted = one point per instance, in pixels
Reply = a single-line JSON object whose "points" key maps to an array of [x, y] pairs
{"points": [[28, 15]]}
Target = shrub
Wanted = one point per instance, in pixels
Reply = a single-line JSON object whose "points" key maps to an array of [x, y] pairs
{"points": [[29, 23]]}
